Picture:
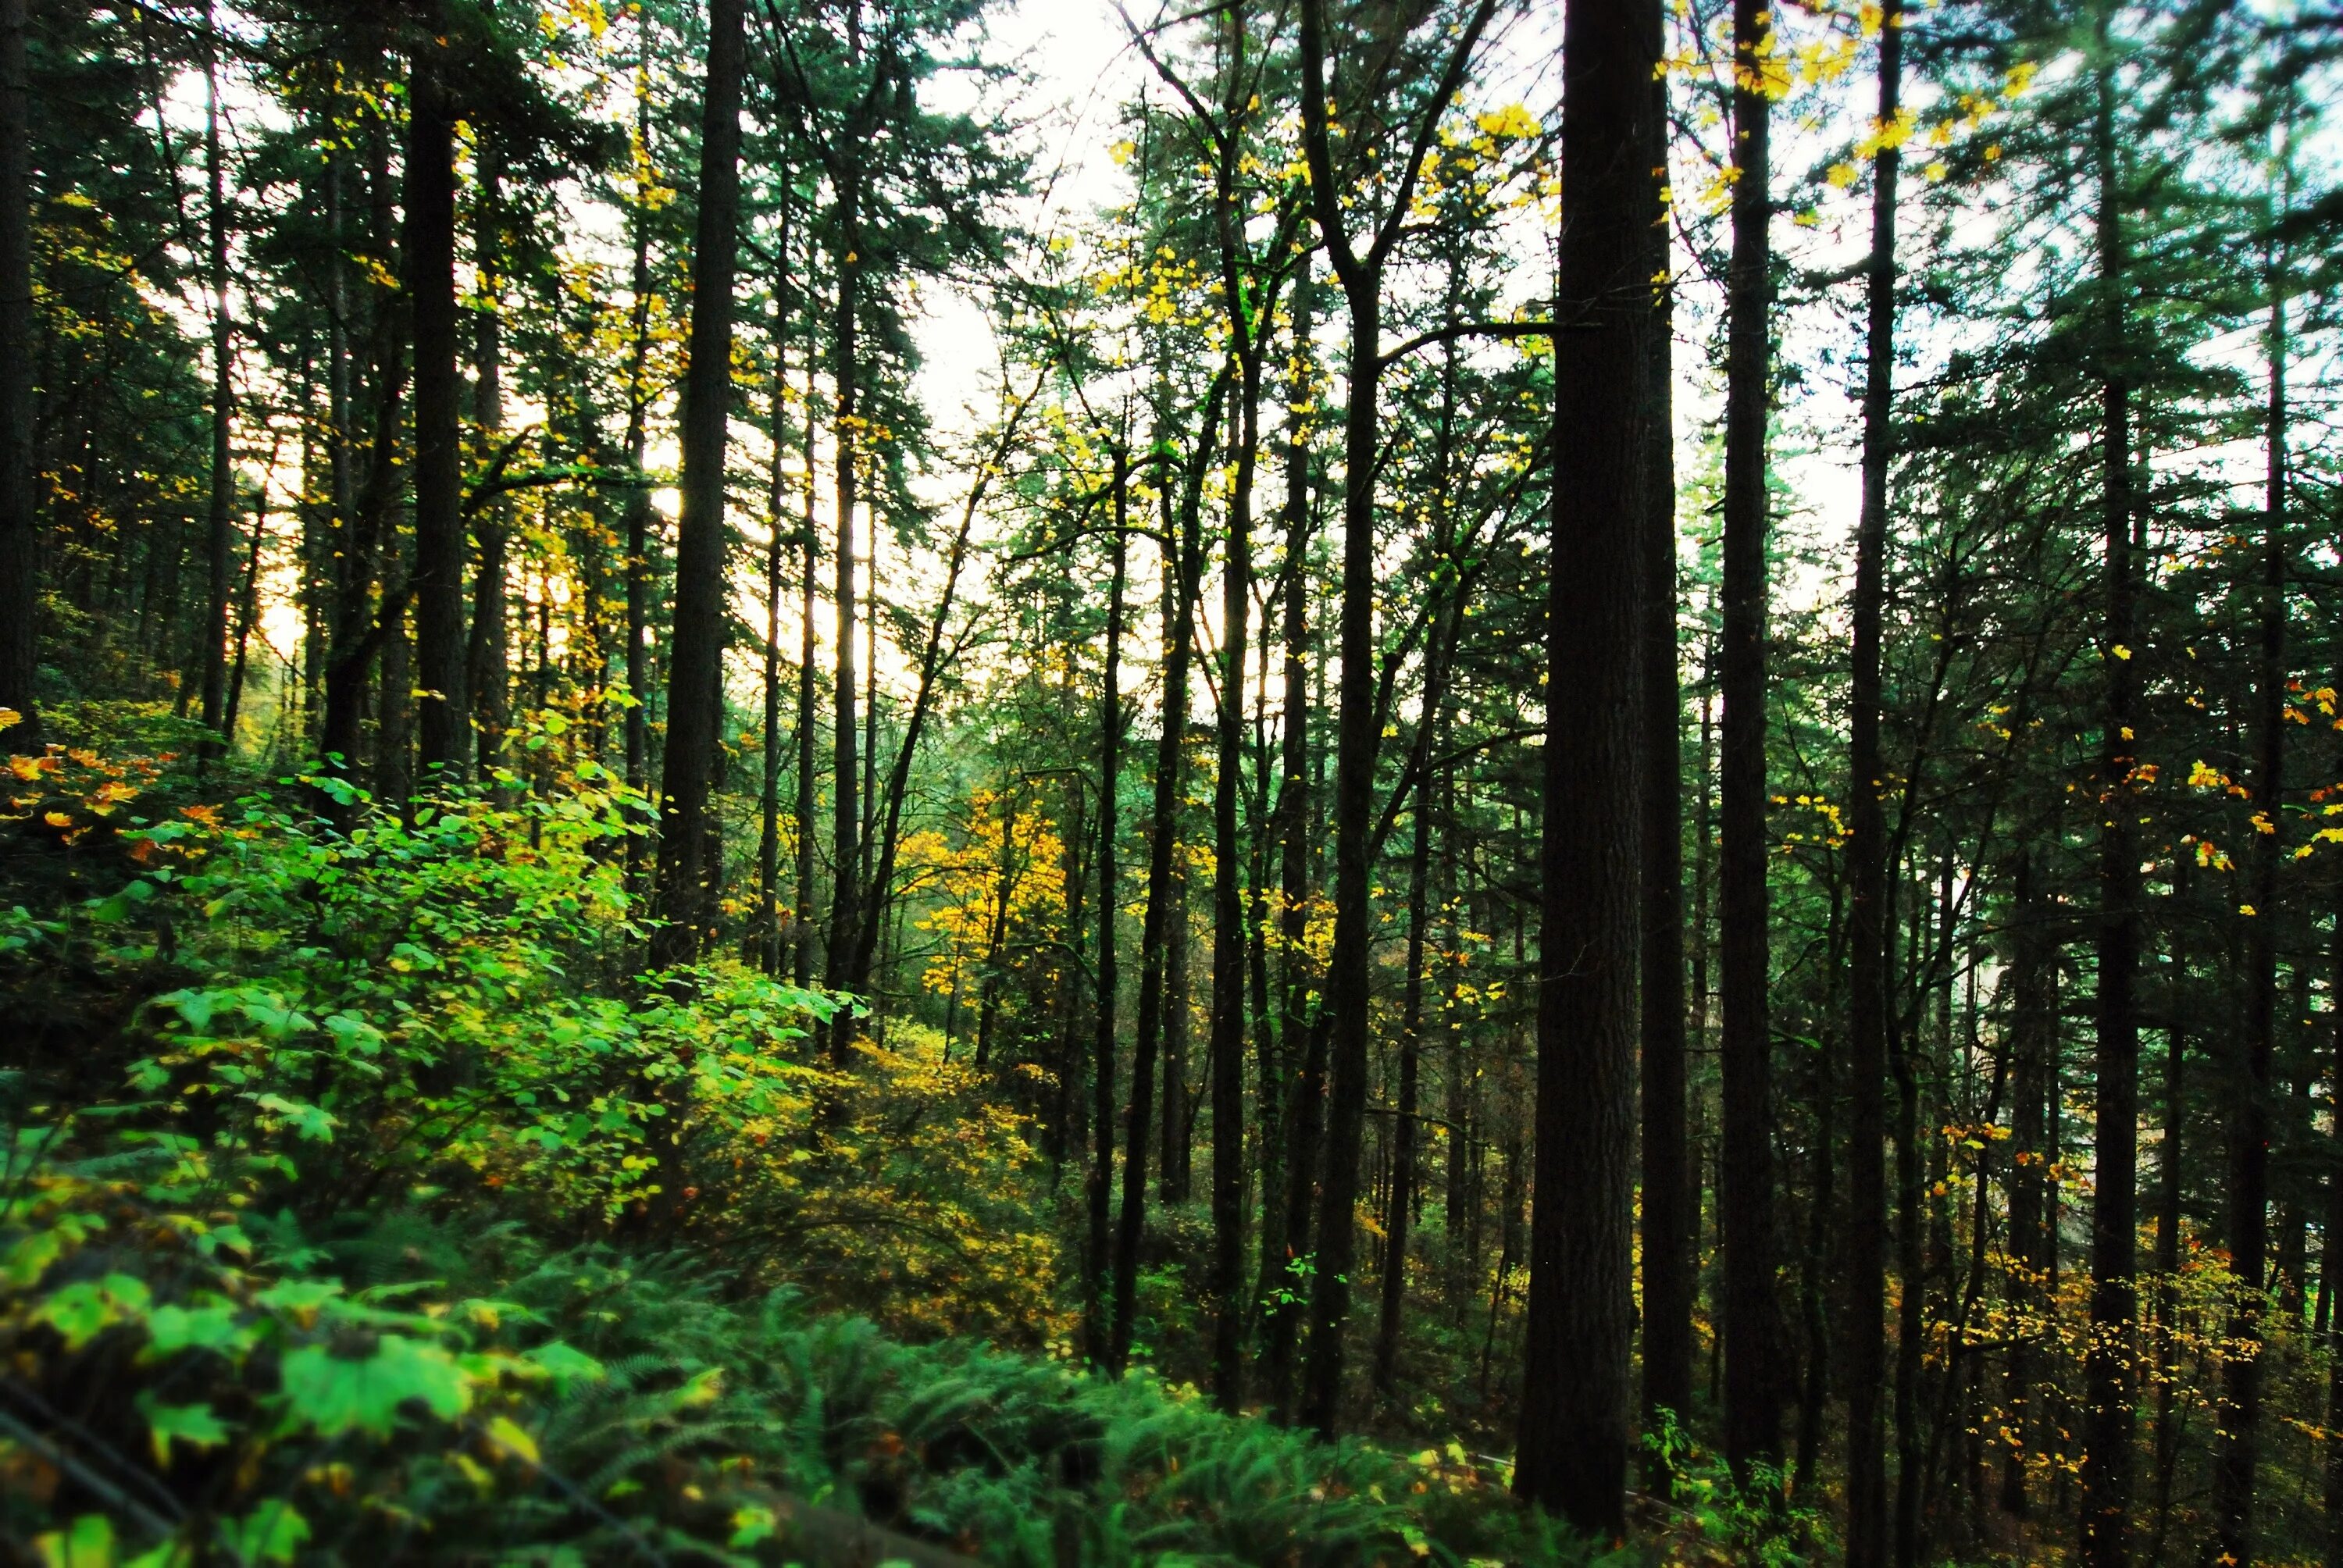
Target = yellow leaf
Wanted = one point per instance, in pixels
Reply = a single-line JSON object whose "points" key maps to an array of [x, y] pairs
{"points": [[508, 1437]]}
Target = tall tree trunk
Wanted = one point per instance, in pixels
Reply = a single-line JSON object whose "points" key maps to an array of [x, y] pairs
{"points": [[769, 836], [1226, 1044], [443, 715], [1109, 1325], [1411, 1052], [219, 548], [1286, 1214], [1867, 860], [1911, 1221], [487, 671], [2177, 991], [2034, 1036], [1357, 736], [1577, 1397], [2109, 1383], [1671, 1271], [846, 844], [2331, 1258], [1159, 928], [20, 564], [802, 929], [1163, 938], [695, 648], [247, 605], [2238, 1448], [1753, 1376], [638, 497]]}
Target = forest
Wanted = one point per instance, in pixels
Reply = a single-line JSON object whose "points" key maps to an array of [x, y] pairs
{"points": [[1058, 782]]}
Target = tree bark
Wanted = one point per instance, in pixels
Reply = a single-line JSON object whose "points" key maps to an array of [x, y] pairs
{"points": [[695, 649], [1753, 1340], [1577, 1397], [1868, 864]]}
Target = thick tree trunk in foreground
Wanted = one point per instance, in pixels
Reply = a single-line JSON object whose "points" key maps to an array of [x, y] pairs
{"points": [[1867, 858], [1577, 1399], [1753, 1340], [696, 650]]}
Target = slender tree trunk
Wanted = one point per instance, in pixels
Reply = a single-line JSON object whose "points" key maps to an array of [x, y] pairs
{"points": [[695, 649], [248, 607], [487, 673], [20, 567], [2109, 1383], [2331, 1256], [1670, 1259], [1286, 1214], [1163, 940], [2177, 991], [1867, 862], [1160, 927], [1357, 736], [1753, 1342], [2238, 1448], [768, 838], [2034, 1036], [1911, 1222], [1109, 1325], [1403, 1121], [219, 552], [442, 712], [1226, 1045], [1577, 1398], [802, 929], [845, 858], [639, 499]]}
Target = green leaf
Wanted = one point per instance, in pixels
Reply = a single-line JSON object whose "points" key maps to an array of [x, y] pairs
{"points": [[271, 1532], [567, 1365], [88, 1544], [173, 1329], [87, 1308], [334, 1394], [192, 1425], [30, 1258]]}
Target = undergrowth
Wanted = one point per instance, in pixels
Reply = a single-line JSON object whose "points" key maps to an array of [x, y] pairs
{"points": [[360, 1203]]}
